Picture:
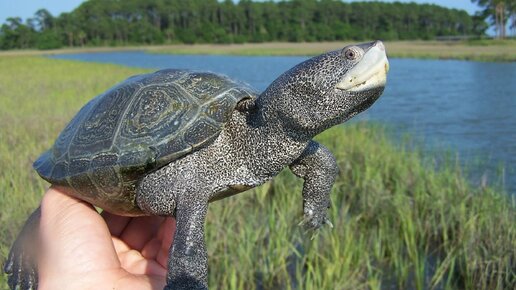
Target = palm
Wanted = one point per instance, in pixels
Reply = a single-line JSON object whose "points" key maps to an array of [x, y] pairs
{"points": [[87, 249], [142, 244]]}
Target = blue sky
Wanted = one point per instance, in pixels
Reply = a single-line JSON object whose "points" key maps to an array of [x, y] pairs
{"points": [[26, 8]]}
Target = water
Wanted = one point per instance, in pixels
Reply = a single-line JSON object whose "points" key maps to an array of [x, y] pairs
{"points": [[468, 107]]}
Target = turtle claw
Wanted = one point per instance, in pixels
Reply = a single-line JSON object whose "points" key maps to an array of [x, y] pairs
{"points": [[8, 266], [311, 224], [11, 269]]}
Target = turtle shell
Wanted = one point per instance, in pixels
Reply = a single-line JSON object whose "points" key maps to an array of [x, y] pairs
{"points": [[136, 127]]}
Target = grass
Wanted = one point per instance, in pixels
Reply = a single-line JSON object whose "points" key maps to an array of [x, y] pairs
{"points": [[399, 223], [478, 50]]}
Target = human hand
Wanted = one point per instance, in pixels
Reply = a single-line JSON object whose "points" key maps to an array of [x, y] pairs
{"points": [[81, 249]]}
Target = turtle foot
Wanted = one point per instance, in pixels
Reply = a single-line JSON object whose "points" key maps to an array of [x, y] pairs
{"points": [[20, 269], [20, 266], [185, 283], [312, 224]]}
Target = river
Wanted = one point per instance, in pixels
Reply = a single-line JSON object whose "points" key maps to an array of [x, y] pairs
{"points": [[465, 107]]}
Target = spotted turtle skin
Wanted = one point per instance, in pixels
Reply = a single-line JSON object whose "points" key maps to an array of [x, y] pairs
{"points": [[135, 128]]}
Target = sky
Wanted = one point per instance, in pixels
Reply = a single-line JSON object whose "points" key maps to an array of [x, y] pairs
{"points": [[26, 8]]}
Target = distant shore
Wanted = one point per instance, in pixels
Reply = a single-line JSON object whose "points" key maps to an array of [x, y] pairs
{"points": [[488, 50]]}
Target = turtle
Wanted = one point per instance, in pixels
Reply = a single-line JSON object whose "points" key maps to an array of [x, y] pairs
{"points": [[170, 142]]}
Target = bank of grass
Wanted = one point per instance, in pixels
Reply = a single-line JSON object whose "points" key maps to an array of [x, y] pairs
{"points": [[471, 50], [478, 50], [398, 222]]}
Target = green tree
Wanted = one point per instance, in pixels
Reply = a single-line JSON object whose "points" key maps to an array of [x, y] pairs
{"points": [[115, 22], [16, 34], [44, 19], [498, 12]]}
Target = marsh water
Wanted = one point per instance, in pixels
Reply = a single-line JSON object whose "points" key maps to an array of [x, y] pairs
{"points": [[446, 105]]}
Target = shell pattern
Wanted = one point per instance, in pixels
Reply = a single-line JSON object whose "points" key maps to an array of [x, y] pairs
{"points": [[135, 128]]}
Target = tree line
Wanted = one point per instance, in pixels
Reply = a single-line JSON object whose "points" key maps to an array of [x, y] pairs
{"points": [[500, 13], [115, 22]]}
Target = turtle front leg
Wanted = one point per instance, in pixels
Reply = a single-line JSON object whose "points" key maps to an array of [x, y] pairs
{"points": [[188, 257], [318, 167]]}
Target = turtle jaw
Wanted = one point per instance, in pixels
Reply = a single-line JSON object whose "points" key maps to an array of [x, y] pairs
{"points": [[369, 73]]}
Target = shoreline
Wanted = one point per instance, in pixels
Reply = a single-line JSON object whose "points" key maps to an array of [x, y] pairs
{"points": [[500, 51]]}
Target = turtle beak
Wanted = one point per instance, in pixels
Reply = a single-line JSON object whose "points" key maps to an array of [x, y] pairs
{"points": [[369, 73]]}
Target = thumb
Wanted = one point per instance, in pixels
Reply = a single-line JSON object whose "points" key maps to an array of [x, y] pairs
{"points": [[74, 237]]}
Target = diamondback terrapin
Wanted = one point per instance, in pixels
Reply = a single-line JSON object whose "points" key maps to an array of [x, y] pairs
{"points": [[170, 142]]}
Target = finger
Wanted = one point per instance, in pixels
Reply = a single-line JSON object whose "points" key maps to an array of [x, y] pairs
{"points": [[140, 230], [162, 258], [120, 246], [151, 249], [167, 232], [115, 223], [73, 235], [154, 246], [133, 262]]}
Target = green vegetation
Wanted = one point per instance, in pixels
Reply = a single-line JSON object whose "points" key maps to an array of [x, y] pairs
{"points": [[499, 13], [480, 50], [398, 222], [121, 23], [470, 50]]}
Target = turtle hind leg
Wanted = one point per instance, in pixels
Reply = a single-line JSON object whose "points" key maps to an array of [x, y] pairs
{"points": [[182, 193], [21, 264], [188, 257]]}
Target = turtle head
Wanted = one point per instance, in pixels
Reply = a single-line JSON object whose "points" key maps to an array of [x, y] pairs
{"points": [[329, 89]]}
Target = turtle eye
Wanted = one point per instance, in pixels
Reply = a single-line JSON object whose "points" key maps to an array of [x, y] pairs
{"points": [[351, 53]]}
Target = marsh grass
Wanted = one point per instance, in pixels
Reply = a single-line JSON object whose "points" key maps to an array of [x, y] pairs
{"points": [[473, 50], [399, 223], [478, 50]]}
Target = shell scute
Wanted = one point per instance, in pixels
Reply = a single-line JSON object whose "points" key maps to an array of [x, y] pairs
{"points": [[107, 179], [158, 111], [200, 131], [45, 163], [99, 127], [134, 164], [204, 86], [83, 185], [78, 166], [60, 170], [216, 112], [62, 143], [104, 175], [172, 150]]}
